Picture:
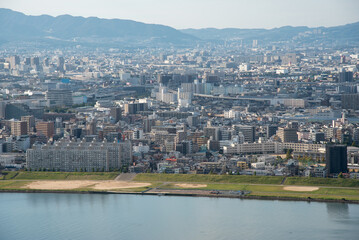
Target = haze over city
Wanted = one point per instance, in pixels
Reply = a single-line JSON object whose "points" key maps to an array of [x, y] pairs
{"points": [[202, 13]]}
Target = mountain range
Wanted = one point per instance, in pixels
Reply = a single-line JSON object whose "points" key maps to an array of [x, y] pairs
{"points": [[65, 30]]}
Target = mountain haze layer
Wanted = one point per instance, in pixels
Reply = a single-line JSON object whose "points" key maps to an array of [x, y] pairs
{"points": [[348, 33], [19, 29], [16, 26]]}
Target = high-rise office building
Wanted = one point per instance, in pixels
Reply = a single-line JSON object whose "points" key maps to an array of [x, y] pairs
{"points": [[46, 62], [35, 61], [345, 76], [14, 61], [336, 159], [60, 63], [27, 61]]}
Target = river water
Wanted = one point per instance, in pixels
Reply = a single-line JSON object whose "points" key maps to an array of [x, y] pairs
{"points": [[111, 216]]}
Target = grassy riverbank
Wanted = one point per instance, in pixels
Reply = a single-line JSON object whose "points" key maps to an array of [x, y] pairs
{"points": [[263, 186], [311, 181], [296, 188], [200, 178], [278, 191]]}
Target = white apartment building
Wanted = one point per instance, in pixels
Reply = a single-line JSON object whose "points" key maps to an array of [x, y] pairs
{"points": [[73, 156], [270, 147]]}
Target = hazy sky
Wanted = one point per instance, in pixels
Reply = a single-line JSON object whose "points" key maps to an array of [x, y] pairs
{"points": [[202, 13]]}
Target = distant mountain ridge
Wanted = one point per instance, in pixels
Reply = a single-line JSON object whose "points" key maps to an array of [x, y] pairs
{"points": [[348, 32], [17, 28]]}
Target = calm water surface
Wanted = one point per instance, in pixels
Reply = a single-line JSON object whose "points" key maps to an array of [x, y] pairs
{"points": [[93, 216]]}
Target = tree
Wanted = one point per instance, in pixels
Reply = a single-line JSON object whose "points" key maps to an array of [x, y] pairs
{"points": [[289, 154], [340, 175]]}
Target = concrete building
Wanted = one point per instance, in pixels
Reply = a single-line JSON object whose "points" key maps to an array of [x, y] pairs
{"points": [[116, 113], [2, 109], [45, 128], [350, 101], [248, 132], [345, 76], [14, 61], [271, 130], [18, 128], [336, 159], [73, 156], [58, 97], [287, 134], [30, 120], [271, 147], [134, 107]]}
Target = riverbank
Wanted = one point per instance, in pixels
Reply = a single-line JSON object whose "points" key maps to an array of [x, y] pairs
{"points": [[245, 187], [178, 194]]}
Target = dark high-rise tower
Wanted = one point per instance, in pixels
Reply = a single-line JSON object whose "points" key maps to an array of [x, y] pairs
{"points": [[116, 113], [271, 130], [336, 159], [345, 76]]}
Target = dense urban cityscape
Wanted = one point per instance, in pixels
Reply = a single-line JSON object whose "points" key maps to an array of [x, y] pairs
{"points": [[178, 120], [215, 109]]}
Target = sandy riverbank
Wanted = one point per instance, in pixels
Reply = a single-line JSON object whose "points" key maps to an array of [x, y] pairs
{"points": [[300, 188], [182, 193], [70, 185], [188, 185]]}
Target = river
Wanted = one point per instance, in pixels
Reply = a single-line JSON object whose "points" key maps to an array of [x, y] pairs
{"points": [[54, 216]]}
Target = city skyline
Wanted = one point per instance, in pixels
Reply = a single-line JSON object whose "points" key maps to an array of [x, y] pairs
{"points": [[213, 13]]}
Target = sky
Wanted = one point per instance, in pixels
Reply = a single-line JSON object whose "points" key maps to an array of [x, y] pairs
{"points": [[182, 14]]}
